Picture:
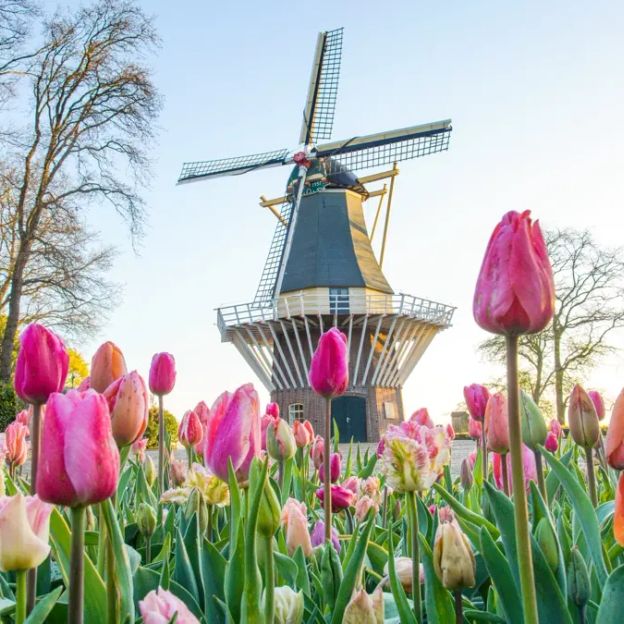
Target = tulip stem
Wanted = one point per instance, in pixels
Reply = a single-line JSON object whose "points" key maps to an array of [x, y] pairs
{"points": [[189, 455], [484, 455], [591, 477], [521, 516], [384, 515], [326, 469], [413, 520], [269, 580], [148, 549], [459, 607], [35, 435], [540, 475], [76, 570], [20, 595], [209, 522], [161, 446], [505, 473]]}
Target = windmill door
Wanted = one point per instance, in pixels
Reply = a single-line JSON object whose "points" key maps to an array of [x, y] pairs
{"points": [[349, 414]]}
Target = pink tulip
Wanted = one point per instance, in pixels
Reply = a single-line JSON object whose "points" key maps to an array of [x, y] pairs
{"points": [[614, 444], [190, 431], [107, 365], [476, 397], [474, 428], [161, 606], [177, 472], [317, 451], [42, 364], [450, 432], [138, 448], [381, 445], [233, 432], [79, 462], [432, 509], [341, 497], [303, 432], [162, 375], [472, 459], [329, 370], [555, 427], [352, 483], [598, 402], [496, 424], [203, 412], [15, 445], [515, 293], [272, 409], [334, 468], [445, 514], [129, 407], [318, 536], [528, 463], [295, 523], [24, 417], [421, 417], [551, 444], [85, 384], [363, 505]]}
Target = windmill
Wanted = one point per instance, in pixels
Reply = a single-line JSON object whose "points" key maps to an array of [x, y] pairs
{"points": [[321, 269]]}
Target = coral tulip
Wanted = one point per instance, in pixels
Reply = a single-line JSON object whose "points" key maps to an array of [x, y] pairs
{"points": [[475, 428], [515, 291], [476, 397], [598, 402], [614, 444], [161, 606], [421, 417], [79, 457], [582, 419], [296, 524], [334, 468], [618, 514], [107, 365], [303, 432], [341, 497], [496, 424], [129, 407], [24, 529], [317, 451], [162, 374], [42, 364], [453, 560], [280, 441], [15, 445], [329, 370], [190, 430], [233, 433]]}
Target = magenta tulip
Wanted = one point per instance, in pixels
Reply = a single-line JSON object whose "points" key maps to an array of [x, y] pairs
{"points": [[515, 293], [474, 428], [329, 370], [341, 497], [233, 433], [421, 417], [79, 458], [107, 365], [476, 397], [129, 407], [551, 444], [162, 374], [190, 431], [272, 409], [334, 468], [598, 402], [42, 364]]}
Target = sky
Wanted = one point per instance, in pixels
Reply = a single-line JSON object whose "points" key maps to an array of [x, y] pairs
{"points": [[535, 91]]}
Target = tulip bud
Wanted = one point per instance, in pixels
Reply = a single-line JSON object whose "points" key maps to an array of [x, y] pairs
{"points": [[533, 425], [24, 417], [296, 524], [334, 468], [129, 408], [466, 476], [329, 369], [547, 541], [331, 569], [190, 430], [363, 609], [161, 605], [496, 423], [138, 448], [303, 432], [15, 445], [107, 365], [596, 399], [162, 374], [270, 511], [476, 397], [582, 418], [445, 514], [273, 410], [403, 569], [317, 451], [618, 512], [474, 428], [288, 606], [453, 560], [363, 506], [614, 444], [551, 443], [515, 291], [578, 579], [341, 497], [146, 519], [150, 471], [280, 440]]}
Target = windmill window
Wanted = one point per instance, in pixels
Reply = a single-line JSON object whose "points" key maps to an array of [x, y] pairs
{"points": [[295, 412], [339, 300]]}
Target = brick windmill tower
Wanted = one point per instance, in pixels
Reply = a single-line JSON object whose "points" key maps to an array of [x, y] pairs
{"points": [[322, 270]]}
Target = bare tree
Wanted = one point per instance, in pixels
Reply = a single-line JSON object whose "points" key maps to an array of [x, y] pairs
{"points": [[91, 117], [589, 285]]}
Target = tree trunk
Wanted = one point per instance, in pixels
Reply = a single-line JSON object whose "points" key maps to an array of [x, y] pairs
{"points": [[558, 376]]}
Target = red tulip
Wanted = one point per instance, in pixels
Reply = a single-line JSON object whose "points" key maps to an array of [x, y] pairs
{"points": [[162, 374], [303, 432], [317, 451], [341, 497], [496, 424], [334, 468], [596, 398], [15, 445], [614, 444], [551, 444], [233, 432], [329, 370], [107, 365], [515, 293], [618, 513], [190, 431], [476, 397], [129, 406], [421, 417], [474, 428], [42, 364], [79, 461]]}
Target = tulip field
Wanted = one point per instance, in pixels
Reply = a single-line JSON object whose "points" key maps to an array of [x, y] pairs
{"points": [[263, 522]]}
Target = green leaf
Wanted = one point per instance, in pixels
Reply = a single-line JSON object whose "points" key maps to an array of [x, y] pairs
{"points": [[235, 507], [472, 615], [610, 610], [303, 582], [438, 600], [43, 607], [213, 575], [288, 469], [183, 572], [584, 511], [405, 610], [367, 470], [235, 576]]}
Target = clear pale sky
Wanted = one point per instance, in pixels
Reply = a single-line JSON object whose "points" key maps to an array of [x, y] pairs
{"points": [[536, 94]]}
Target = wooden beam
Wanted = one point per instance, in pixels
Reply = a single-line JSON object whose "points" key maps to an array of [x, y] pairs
{"points": [[382, 175]]}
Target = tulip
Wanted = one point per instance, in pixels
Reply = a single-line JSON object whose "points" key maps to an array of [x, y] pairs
{"points": [[528, 468], [162, 374], [614, 445], [421, 417], [107, 365], [365, 609], [329, 369], [341, 497], [578, 579], [190, 431], [270, 513], [496, 425], [177, 472], [465, 473], [352, 483], [161, 606], [149, 470], [317, 536], [288, 606], [555, 427], [146, 519], [334, 468], [265, 421], [129, 406], [295, 523], [476, 397], [233, 433], [475, 428], [15, 445], [598, 402], [303, 432], [273, 410], [85, 384], [280, 441], [618, 513], [212, 489], [23, 418], [515, 291], [551, 443], [317, 451], [203, 412], [79, 458], [405, 463], [453, 560], [533, 425], [42, 364], [363, 505], [138, 448], [403, 569]]}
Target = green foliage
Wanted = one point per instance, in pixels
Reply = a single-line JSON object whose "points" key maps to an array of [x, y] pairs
{"points": [[8, 405], [171, 427]]}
